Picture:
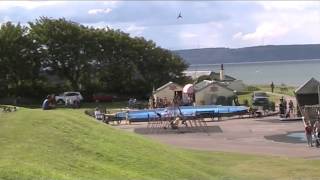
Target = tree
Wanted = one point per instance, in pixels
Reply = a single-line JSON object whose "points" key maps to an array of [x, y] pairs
{"points": [[133, 65], [19, 59], [66, 45], [88, 59]]}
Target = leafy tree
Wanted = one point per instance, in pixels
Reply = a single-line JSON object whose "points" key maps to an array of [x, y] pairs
{"points": [[88, 59], [134, 65], [19, 59], [66, 46]]}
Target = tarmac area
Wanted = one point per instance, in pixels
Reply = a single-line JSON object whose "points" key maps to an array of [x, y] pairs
{"points": [[259, 136]]}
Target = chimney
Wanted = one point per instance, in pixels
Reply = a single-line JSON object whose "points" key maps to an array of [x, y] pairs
{"points": [[221, 73]]}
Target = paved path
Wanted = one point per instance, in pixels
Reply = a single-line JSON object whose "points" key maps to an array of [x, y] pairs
{"points": [[241, 136]]}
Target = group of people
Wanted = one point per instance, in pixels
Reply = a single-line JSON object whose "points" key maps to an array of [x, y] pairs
{"points": [[163, 102], [313, 132], [49, 102], [132, 102], [286, 109]]}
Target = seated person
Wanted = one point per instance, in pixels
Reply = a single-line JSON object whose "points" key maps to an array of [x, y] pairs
{"points": [[45, 105], [97, 114]]}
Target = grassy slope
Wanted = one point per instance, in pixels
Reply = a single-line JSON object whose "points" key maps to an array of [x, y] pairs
{"points": [[66, 144], [247, 95], [287, 90]]}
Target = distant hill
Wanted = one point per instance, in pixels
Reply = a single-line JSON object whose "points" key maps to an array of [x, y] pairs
{"points": [[250, 54]]}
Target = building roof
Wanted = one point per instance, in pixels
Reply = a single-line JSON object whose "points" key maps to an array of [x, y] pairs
{"points": [[166, 85], [202, 84], [196, 74], [213, 82], [216, 76], [309, 87]]}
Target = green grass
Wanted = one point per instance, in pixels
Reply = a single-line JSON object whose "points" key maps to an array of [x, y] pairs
{"points": [[66, 144], [280, 89], [247, 94]]}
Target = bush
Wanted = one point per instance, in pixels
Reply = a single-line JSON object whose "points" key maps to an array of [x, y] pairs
{"points": [[246, 102], [252, 88], [272, 106]]}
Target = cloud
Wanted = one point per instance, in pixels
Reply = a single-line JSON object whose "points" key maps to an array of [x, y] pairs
{"points": [[29, 5], [135, 30], [204, 23], [288, 5], [269, 30], [112, 4], [99, 11], [200, 36], [188, 35]]}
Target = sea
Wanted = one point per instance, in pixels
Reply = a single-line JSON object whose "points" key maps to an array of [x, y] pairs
{"points": [[289, 72]]}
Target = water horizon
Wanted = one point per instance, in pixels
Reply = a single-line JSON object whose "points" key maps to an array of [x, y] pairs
{"points": [[288, 72]]}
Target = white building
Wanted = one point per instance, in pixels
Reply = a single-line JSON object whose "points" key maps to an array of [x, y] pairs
{"points": [[211, 92], [168, 91]]}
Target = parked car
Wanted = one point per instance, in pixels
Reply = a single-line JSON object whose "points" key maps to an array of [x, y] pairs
{"points": [[102, 97], [61, 99], [260, 99]]}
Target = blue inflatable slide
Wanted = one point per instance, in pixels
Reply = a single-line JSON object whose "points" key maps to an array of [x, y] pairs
{"points": [[184, 111]]}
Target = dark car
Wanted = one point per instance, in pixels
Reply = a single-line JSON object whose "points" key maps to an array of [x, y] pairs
{"points": [[102, 97], [260, 99]]}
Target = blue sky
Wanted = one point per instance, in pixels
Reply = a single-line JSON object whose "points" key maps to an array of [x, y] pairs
{"points": [[204, 24]]}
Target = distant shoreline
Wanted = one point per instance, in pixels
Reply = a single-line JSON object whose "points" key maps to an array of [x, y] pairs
{"points": [[254, 62]]}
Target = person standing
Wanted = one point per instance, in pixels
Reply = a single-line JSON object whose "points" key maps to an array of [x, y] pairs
{"points": [[272, 86], [316, 129], [291, 107], [308, 131]]}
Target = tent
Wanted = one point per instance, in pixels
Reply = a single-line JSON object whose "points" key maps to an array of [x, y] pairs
{"points": [[307, 93]]}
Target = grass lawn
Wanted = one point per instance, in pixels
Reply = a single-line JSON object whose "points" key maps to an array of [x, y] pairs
{"points": [[287, 90], [247, 94], [66, 144]]}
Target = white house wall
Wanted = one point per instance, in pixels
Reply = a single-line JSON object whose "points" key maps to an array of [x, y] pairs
{"points": [[210, 94], [167, 92]]}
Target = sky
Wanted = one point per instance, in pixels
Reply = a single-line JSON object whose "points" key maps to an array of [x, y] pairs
{"points": [[204, 24]]}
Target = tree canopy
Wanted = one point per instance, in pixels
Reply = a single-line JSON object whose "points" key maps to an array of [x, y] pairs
{"points": [[84, 58]]}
